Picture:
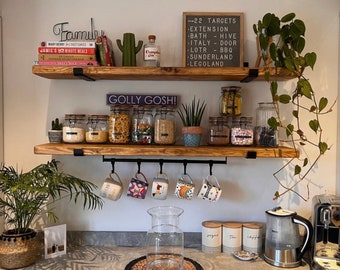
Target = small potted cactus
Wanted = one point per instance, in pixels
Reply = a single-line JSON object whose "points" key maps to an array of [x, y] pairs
{"points": [[55, 135]]}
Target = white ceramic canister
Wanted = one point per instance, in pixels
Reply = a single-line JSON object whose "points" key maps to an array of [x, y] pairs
{"points": [[211, 237], [232, 237], [252, 237]]}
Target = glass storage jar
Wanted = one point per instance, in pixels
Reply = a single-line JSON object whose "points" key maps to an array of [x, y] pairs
{"points": [[142, 126], [165, 240], [74, 128], [97, 129], [165, 129], [231, 101], [119, 124], [242, 131], [264, 134], [219, 131]]}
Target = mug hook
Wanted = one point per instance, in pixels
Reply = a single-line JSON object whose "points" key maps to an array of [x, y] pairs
{"points": [[139, 164], [211, 163], [161, 166], [113, 166], [185, 163]]}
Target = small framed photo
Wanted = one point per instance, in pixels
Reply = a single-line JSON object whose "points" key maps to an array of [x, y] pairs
{"points": [[55, 241], [212, 39]]}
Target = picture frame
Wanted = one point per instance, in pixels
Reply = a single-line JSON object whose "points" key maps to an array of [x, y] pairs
{"points": [[55, 241], [213, 39]]}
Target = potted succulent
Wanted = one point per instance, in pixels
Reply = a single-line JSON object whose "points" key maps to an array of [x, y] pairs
{"points": [[26, 197], [55, 135], [191, 115], [281, 43]]}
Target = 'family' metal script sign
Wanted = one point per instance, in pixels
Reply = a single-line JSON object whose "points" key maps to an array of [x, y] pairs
{"points": [[142, 100]]}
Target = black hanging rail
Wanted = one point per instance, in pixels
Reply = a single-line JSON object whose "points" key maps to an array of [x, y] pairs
{"points": [[162, 161]]}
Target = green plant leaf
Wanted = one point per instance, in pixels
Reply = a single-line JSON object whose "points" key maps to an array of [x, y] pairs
{"points": [[289, 130], [305, 88], [284, 98], [310, 59], [314, 125], [288, 17], [299, 27], [297, 169], [323, 147], [322, 103], [296, 113], [273, 123], [273, 88], [305, 162]]}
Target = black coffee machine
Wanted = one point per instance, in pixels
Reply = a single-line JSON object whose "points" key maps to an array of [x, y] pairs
{"points": [[326, 219]]}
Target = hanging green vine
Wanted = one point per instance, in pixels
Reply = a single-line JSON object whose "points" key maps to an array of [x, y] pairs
{"points": [[281, 43]]}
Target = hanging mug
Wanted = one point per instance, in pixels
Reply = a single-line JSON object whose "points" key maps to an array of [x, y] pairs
{"points": [[138, 187], [185, 187], [210, 190], [112, 187], [160, 186]]}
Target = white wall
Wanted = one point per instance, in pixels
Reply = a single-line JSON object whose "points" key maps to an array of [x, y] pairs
{"points": [[31, 102]]}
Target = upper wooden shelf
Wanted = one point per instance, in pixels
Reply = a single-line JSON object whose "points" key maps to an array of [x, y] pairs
{"points": [[159, 150], [158, 73]]}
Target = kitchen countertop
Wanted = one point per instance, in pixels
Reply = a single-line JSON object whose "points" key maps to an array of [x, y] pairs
{"points": [[103, 257]]}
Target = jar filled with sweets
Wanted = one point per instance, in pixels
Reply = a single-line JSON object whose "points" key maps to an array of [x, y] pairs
{"points": [[165, 129], [119, 124], [74, 128], [219, 131], [97, 129], [242, 131], [142, 126], [264, 134], [231, 101]]}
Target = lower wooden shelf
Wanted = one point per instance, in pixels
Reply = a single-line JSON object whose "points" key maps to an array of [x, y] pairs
{"points": [[162, 151]]}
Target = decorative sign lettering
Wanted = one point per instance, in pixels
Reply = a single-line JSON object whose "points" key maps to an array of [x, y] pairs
{"points": [[60, 30], [141, 100], [212, 39]]}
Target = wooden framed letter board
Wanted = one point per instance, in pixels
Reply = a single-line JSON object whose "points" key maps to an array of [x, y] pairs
{"points": [[212, 39]]}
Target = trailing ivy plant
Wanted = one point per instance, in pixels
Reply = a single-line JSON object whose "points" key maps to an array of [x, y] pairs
{"points": [[281, 43]]}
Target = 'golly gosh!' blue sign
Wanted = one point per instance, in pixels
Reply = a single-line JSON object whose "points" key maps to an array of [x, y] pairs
{"points": [[142, 100]]}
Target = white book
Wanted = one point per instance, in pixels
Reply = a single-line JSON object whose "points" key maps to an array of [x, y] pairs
{"points": [[83, 44]]}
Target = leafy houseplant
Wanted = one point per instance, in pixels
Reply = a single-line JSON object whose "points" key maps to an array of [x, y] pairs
{"points": [[281, 43], [191, 115], [28, 196], [55, 135]]}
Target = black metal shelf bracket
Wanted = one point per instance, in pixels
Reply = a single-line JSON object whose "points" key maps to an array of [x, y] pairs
{"points": [[253, 73], [79, 72]]}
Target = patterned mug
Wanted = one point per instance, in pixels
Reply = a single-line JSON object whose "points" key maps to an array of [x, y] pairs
{"points": [[160, 185], [112, 187], [138, 186], [185, 187], [210, 190]]}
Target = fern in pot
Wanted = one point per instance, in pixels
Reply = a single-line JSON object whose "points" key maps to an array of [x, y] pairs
{"points": [[26, 197], [191, 115]]}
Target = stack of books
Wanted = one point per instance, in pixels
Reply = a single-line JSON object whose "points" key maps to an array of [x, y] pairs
{"points": [[69, 53]]}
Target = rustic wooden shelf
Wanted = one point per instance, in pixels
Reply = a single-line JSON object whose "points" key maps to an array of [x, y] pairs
{"points": [[161, 151], [158, 73]]}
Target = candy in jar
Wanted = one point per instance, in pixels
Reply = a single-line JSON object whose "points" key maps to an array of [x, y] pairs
{"points": [[242, 131]]}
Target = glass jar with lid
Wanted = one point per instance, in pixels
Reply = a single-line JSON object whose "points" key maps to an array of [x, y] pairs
{"points": [[142, 126], [74, 128], [97, 129], [264, 134], [242, 131], [165, 129], [219, 131], [231, 101], [119, 124]]}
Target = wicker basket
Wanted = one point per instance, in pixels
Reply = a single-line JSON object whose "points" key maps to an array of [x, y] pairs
{"points": [[18, 251]]}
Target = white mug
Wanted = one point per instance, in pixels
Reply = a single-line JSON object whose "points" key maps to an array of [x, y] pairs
{"points": [[160, 185], [112, 187], [210, 190]]}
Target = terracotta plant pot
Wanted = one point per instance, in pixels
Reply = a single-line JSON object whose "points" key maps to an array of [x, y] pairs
{"points": [[192, 135], [18, 250]]}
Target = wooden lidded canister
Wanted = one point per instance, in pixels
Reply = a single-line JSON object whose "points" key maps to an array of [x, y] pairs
{"points": [[252, 237], [232, 237], [211, 236]]}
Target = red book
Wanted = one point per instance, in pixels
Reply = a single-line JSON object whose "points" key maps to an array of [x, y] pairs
{"points": [[66, 57], [67, 63], [66, 50], [107, 44]]}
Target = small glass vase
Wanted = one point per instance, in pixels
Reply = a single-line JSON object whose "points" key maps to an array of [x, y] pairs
{"points": [[165, 240]]}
